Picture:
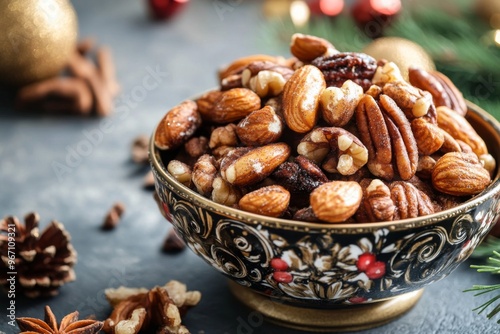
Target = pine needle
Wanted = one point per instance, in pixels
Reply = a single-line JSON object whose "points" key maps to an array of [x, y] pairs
{"points": [[494, 268]]}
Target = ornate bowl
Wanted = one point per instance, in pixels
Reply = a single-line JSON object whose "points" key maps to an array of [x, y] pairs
{"points": [[304, 275]]}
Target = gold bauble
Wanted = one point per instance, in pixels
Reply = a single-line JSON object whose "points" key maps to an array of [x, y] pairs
{"points": [[402, 52], [37, 38], [490, 11]]}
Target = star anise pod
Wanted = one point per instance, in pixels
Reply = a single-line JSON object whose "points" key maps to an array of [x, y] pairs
{"points": [[37, 263], [69, 324]]}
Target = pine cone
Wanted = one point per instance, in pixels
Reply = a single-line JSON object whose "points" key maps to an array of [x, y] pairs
{"points": [[38, 263]]}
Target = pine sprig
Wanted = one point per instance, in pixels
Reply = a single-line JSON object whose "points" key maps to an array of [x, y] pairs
{"points": [[494, 268]]}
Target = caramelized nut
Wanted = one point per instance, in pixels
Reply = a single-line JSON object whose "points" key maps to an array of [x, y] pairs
{"points": [[338, 104], [336, 201], [301, 98], [224, 192], [269, 201], [307, 47], [204, 171], [233, 105], [255, 165], [261, 127], [459, 128], [178, 125], [460, 174], [180, 171]]}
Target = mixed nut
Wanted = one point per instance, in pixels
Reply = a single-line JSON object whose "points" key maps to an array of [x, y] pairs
{"points": [[327, 136]]}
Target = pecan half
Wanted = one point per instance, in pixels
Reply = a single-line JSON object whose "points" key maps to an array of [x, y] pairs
{"points": [[377, 202], [403, 140], [388, 137], [410, 201], [348, 152], [340, 67], [374, 134]]}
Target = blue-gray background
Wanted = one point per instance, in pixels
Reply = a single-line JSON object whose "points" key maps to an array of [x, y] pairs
{"points": [[185, 53]]}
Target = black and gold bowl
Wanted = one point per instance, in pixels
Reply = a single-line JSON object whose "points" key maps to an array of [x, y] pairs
{"points": [[330, 277]]}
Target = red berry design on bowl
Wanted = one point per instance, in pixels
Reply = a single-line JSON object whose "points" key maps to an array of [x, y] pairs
{"points": [[282, 277], [365, 260], [375, 270], [279, 265], [357, 300]]}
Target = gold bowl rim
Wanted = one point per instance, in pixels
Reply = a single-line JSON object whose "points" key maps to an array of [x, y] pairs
{"points": [[339, 228]]}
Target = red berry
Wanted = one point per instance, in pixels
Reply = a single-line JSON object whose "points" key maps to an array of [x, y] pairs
{"points": [[365, 260], [164, 9], [357, 300], [375, 270], [279, 264], [282, 277]]}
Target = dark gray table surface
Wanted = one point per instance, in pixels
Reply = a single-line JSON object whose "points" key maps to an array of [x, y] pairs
{"points": [[186, 51]]}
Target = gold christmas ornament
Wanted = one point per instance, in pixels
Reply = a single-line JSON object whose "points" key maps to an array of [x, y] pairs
{"points": [[402, 52], [37, 38], [490, 11]]}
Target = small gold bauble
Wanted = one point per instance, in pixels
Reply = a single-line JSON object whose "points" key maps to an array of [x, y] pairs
{"points": [[402, 52], [490, 11], [37, 38]]}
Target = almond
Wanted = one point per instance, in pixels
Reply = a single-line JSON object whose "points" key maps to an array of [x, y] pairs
{"points": [[233, 105], [178, 125], [301, 96], [336, 201], [255, 165], [307, 47], [269, 201], [261, 127], [459, 128], [460, 174], [428, 136], [206, 103]]}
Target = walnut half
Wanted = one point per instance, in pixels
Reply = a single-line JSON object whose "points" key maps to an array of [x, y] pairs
{"points": [[141, 310]]}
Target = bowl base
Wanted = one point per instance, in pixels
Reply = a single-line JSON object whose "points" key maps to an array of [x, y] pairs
{"points": [[345, 319]]}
